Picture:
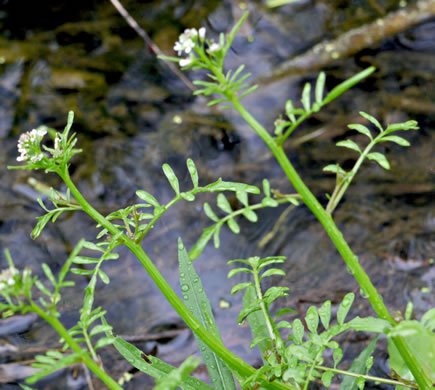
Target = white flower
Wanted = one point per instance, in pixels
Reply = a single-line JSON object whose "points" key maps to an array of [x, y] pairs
{"points": [[201, 33], [186, 41], [28, 145], [214, 47], [185, 62], [7, 277]]}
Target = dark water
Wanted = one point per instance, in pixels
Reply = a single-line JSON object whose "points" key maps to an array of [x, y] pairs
{"points": [[58, 57]]}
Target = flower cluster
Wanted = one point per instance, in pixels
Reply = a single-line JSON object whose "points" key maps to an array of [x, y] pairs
{"points": [[29, 146], [7, 277], [188, 40]]}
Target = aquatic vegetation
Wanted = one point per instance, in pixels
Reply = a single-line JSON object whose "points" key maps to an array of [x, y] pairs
{"points": [[293, 353]]}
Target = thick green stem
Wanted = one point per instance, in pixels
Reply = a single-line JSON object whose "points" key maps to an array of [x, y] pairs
{"points": [[94, 367], [335, 235], [216, 345]]}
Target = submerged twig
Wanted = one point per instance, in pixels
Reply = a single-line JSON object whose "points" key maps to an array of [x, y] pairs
{"points": [[353, 41], [142, 33]]}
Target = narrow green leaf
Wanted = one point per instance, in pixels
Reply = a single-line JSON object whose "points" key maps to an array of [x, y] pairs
{"points": [[233, 225], [380, 159], [85, 260], [240, 287], [99, 329], [349, 145], [298, 331], [216, 238], [91, 246], [320, 86], [170, 175], [49, 274], [223, 204], [409, 125], [369, 324], [79, 271], [103, 276], [210, 213], [202, 242], [396, 139], [248, 91], [103, 342], [250, 215], [306, 97], [154, 366], [289, 111], [344, 307], [44, 289], [372, 119], [325, 314], [271, 272], [235, 271], [242, 196], [197, 300], [361, 129], [335, 168], [187, 196], [193, 172], [312, 319], [221, 185], [349, 83]]}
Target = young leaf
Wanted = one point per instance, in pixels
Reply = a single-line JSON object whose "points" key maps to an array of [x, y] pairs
{"points": [[289, 111], [361, 129], [202, 242], [349, 144], [223, 204], [335, 168], [396, 139], [194, 294], [193, 172], [345, 307], [49, 274], [221, 185], [233, 225], [349, 83], [380, 159], [147, 197], [306, 97], [409, 125], [170, 175], [298, 331], [320, 85], [372, 119], [312, 319], [272, 271], [325, 314], [210, 213], [240, 287], [99, 329]]}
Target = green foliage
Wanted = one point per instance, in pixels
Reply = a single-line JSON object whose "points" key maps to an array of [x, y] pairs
{"points": [[159, 369], [345, 178], [246, 210], [198, 303]]}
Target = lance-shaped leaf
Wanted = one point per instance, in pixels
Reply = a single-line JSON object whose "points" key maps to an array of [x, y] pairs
{"points": [[320, 85], [361, 129], [335, 168], [396, 139], [223, 204], [221, 185], [380, 159], [289, 109], [344, 307], [325, 314], [349, 145], [345, 85], [306, 97], [147, 197], [372, 119], [196, 298], [210, 213], [409, 125], [173, 181], [193, 172], [202, 242], [153, 366]]}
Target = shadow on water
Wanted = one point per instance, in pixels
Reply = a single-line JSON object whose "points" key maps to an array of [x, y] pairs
{"points": [[133, 115]]}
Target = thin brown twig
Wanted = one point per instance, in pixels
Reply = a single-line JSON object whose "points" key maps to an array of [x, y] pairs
{"points": [[153, 47]]}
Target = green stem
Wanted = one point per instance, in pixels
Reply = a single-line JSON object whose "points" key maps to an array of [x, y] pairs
{"points": [[366, 377], [235, 362], [266, 314], [334, 234], [94, 367]]}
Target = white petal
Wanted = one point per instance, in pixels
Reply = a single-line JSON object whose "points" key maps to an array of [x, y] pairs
{"points": [[201, 33]]}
